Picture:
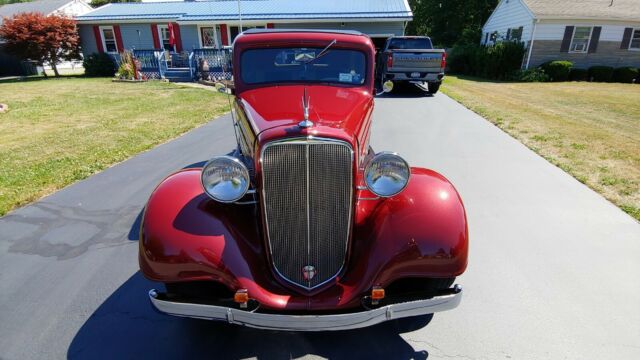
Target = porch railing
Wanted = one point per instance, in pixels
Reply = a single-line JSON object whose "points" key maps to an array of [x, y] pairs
{"points": [[152, 62], [218, 61]]}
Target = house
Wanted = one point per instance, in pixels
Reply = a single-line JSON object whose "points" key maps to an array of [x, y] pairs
{"points": [[184, 27], [12, 66], [586, 32]]}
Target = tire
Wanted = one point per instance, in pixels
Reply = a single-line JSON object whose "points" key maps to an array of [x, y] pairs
{"points": [[433, 87]]}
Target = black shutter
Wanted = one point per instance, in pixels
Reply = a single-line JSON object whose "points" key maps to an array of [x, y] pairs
{"points": [[626, 38], [566, 40], [509, 34], [486, 38], [595, 38], [520, 30]]}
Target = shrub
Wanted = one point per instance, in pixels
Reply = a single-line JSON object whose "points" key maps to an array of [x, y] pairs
{"points": [[127, 66], [557, 70], [99, 65], [495, 62], [579, 74], [601, 73], [531, 75], [625, 74]]}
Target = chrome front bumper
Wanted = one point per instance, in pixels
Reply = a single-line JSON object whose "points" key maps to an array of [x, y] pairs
{"points": [[309, 322]]}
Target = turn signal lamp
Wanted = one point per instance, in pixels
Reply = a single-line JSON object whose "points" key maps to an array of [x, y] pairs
{"points": [[377, 294], [389, 60], [241, 297]]}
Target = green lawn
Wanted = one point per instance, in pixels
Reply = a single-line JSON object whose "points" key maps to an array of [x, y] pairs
{"points": [[58, 131], [590, 130]]}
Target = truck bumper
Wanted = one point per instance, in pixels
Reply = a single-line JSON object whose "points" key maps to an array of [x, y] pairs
{"points": [[406, 76], [328, 322]]}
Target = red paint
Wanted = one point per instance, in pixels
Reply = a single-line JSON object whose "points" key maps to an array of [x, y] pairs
{"points": [[187, 236], [96, 33], [178, 38], [118, 35], [269, 25], [421, 232], [156, 36], [223, 35]]}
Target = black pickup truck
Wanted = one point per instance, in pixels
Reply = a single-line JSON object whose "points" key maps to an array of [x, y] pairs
{"points": [[411, 59]]}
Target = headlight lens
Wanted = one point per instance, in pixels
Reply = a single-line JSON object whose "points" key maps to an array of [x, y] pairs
{"points": [[387, 174], [225, 179]]}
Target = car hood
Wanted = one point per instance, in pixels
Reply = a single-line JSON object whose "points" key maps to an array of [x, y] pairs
{"points": [[331, 109]]}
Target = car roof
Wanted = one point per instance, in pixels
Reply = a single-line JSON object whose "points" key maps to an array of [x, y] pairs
{"points": [[272, 31]]}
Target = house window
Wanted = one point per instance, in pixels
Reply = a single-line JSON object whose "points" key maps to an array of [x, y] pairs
{"points": [[516, 34], [635, 40], [233, 31], [108, 39], [164, 37], [580, 40], [208, 37]]}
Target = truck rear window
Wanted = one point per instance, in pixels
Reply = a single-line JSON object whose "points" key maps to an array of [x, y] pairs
{"points": [[405, 44], [282, 65]]}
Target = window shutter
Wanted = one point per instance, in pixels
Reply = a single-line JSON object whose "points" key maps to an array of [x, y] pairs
{"points": [[156, 38], [96, 33], [223, 35], [595, 38], [486, 38], [509, 34], [566, 40], [176, 33], [626, 38], [520, 30], [118, 35]]}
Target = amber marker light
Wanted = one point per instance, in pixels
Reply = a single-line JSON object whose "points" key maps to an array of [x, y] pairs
{"points": [[241, 297], [377, 294]]}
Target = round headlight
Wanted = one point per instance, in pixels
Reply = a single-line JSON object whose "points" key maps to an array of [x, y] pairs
{"points": [[225, 179], [387, 174]]}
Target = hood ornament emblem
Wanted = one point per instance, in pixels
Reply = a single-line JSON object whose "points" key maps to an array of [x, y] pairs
{"points": [[306, 123], [308, 272]]}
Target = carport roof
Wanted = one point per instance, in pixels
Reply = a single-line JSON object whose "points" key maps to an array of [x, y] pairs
{"points": [[221, 10]]}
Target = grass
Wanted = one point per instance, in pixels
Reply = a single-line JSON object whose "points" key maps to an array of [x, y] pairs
{"points": [[590, 130], [58, 131]]}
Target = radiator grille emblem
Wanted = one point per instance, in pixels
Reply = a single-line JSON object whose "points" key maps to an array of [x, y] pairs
{"points": [[308, 272]]}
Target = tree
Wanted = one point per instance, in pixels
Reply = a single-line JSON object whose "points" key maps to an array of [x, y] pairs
{"points": [[40, 38], [450, 21]]}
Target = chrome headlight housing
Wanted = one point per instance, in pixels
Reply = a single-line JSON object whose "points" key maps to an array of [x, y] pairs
{"points": [[387, 174], [225, 179]]}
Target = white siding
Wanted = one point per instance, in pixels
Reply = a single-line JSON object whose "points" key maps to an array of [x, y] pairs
{"points": [[74, 8], [555, 31], [509, 14]]}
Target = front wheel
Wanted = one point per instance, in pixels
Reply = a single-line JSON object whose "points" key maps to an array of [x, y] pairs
{"points": [[433, 87]]}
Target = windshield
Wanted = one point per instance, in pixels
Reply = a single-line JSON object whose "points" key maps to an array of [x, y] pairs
{"points": [[409, 44], [281, 65]]}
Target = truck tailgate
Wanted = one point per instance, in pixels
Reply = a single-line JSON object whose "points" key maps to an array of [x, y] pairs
{"points": [[422, 61]]}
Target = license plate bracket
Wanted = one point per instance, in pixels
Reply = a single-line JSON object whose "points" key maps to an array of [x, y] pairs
{"points": [[415, 74]]}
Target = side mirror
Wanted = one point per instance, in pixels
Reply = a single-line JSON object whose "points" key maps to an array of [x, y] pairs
{"points": [[387, 86]]}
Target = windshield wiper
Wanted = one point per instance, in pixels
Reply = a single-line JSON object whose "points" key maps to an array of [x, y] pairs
{"points": [[323, 52]]}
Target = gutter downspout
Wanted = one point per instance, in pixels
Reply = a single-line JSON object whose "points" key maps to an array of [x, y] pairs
{"points": [[533, 36]]}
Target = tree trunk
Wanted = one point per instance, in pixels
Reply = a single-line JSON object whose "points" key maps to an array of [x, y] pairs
{"points": [[54, 63], [44, 72]]}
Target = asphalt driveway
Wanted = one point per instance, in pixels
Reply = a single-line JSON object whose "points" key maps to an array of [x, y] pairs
{"points": [[553, 268]]}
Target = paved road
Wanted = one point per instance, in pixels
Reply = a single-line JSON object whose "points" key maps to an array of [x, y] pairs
{"points": [[554, 268]]}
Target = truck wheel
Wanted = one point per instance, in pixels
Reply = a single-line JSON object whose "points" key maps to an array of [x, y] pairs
{"points": [[433, 87]]}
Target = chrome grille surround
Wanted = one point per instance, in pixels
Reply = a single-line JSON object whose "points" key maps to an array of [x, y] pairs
{"points": [[307, 184]]}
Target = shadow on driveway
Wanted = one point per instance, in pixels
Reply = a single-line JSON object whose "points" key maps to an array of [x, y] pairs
{"points": [[126, 326]]}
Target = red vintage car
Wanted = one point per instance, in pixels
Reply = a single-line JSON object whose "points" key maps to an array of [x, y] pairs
{"points": [[304, 227]]}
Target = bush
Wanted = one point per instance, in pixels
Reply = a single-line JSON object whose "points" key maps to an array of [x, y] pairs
{"points": [[557, 70], [601, 73], [579, 75], [625, 74], [499, 61], [99, 65], [127, 66], [531, 75]]}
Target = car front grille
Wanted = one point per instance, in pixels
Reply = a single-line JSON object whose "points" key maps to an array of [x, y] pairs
{"points": [[307, 191]]}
